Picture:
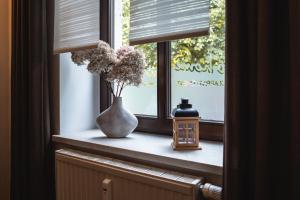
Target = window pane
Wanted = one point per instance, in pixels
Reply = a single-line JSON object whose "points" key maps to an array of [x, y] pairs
{"points": [[198, 66], [142, 99]]}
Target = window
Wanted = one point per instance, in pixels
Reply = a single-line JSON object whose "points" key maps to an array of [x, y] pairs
{"points": [[198, 66], [142, 100], [189, 67]]}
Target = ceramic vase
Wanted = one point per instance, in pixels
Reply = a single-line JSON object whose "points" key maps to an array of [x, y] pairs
{"points": [[116, 121]]}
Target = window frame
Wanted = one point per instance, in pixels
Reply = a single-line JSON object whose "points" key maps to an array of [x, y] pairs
{"points": [[162, 123]]}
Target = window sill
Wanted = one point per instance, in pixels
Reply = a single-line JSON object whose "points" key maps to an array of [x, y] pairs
{"points": [[150, 149]]}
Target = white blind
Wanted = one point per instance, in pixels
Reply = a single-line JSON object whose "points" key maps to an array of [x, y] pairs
{"points": [[159, 20], [76, 25]]}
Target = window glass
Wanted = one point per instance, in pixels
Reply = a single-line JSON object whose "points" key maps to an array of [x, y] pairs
{"points": [[198, 65], [142, 99]]}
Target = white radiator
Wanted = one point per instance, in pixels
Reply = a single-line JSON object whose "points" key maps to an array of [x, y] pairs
{"points": [[83, 176]]}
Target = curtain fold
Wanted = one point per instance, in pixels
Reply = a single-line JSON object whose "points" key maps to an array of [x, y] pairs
{"points": [[32, 156], [262, 128]]}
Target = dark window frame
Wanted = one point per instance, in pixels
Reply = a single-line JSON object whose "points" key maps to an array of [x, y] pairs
{"points": [[162, 123]]}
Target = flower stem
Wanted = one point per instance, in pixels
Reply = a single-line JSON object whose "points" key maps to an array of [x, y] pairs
{"points": [[108, 84], [121, 89], [118, 86]]}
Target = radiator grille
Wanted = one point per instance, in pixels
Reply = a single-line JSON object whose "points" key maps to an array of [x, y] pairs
{"points": [[79, 176]]}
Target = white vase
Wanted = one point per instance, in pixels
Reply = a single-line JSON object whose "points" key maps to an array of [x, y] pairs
{"points": [[116, 121]]}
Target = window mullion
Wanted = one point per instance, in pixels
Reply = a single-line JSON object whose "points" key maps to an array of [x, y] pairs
{"points": [[168, 79], [163, 80], [105, 35]]}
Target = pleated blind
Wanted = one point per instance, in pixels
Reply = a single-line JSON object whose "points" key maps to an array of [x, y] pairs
{"points": [[161, 20], [76, 25]]}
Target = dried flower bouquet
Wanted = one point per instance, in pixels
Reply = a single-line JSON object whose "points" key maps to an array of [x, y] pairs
{"points": [[122, 67]]}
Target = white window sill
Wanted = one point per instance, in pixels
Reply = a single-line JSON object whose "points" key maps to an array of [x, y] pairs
{"points": [[152, 149]]}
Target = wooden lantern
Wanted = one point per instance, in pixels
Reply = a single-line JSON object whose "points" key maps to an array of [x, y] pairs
{"points": [[185, 127]]}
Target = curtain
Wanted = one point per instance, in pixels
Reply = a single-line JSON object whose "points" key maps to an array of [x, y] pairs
{"points": [[262, 127], [32, 175]]}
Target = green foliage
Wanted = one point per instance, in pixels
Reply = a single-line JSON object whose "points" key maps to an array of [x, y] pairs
{"points": [[125, 21], [206, 51]]}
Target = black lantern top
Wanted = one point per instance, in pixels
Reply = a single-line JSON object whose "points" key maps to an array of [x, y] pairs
{"points": [[185, 110]]}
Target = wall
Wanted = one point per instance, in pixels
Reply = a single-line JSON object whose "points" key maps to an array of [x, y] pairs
{"points": [[79, 97], [5, 49]]}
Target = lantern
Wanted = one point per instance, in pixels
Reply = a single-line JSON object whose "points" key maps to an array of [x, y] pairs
{"points": [[185, 127]]}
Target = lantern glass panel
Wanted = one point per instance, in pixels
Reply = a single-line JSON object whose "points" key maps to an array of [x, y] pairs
{"points": [[191, 133], [181, 133]]}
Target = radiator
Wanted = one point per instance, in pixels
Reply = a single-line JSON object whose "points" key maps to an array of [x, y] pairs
{"points": [[83, 176]]}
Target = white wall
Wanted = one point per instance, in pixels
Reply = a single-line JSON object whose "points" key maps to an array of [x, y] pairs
{"points": [[79, 96]]}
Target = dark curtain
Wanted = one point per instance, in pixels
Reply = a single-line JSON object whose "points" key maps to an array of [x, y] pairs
{"points": [[262, 128], [32, 156]]}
